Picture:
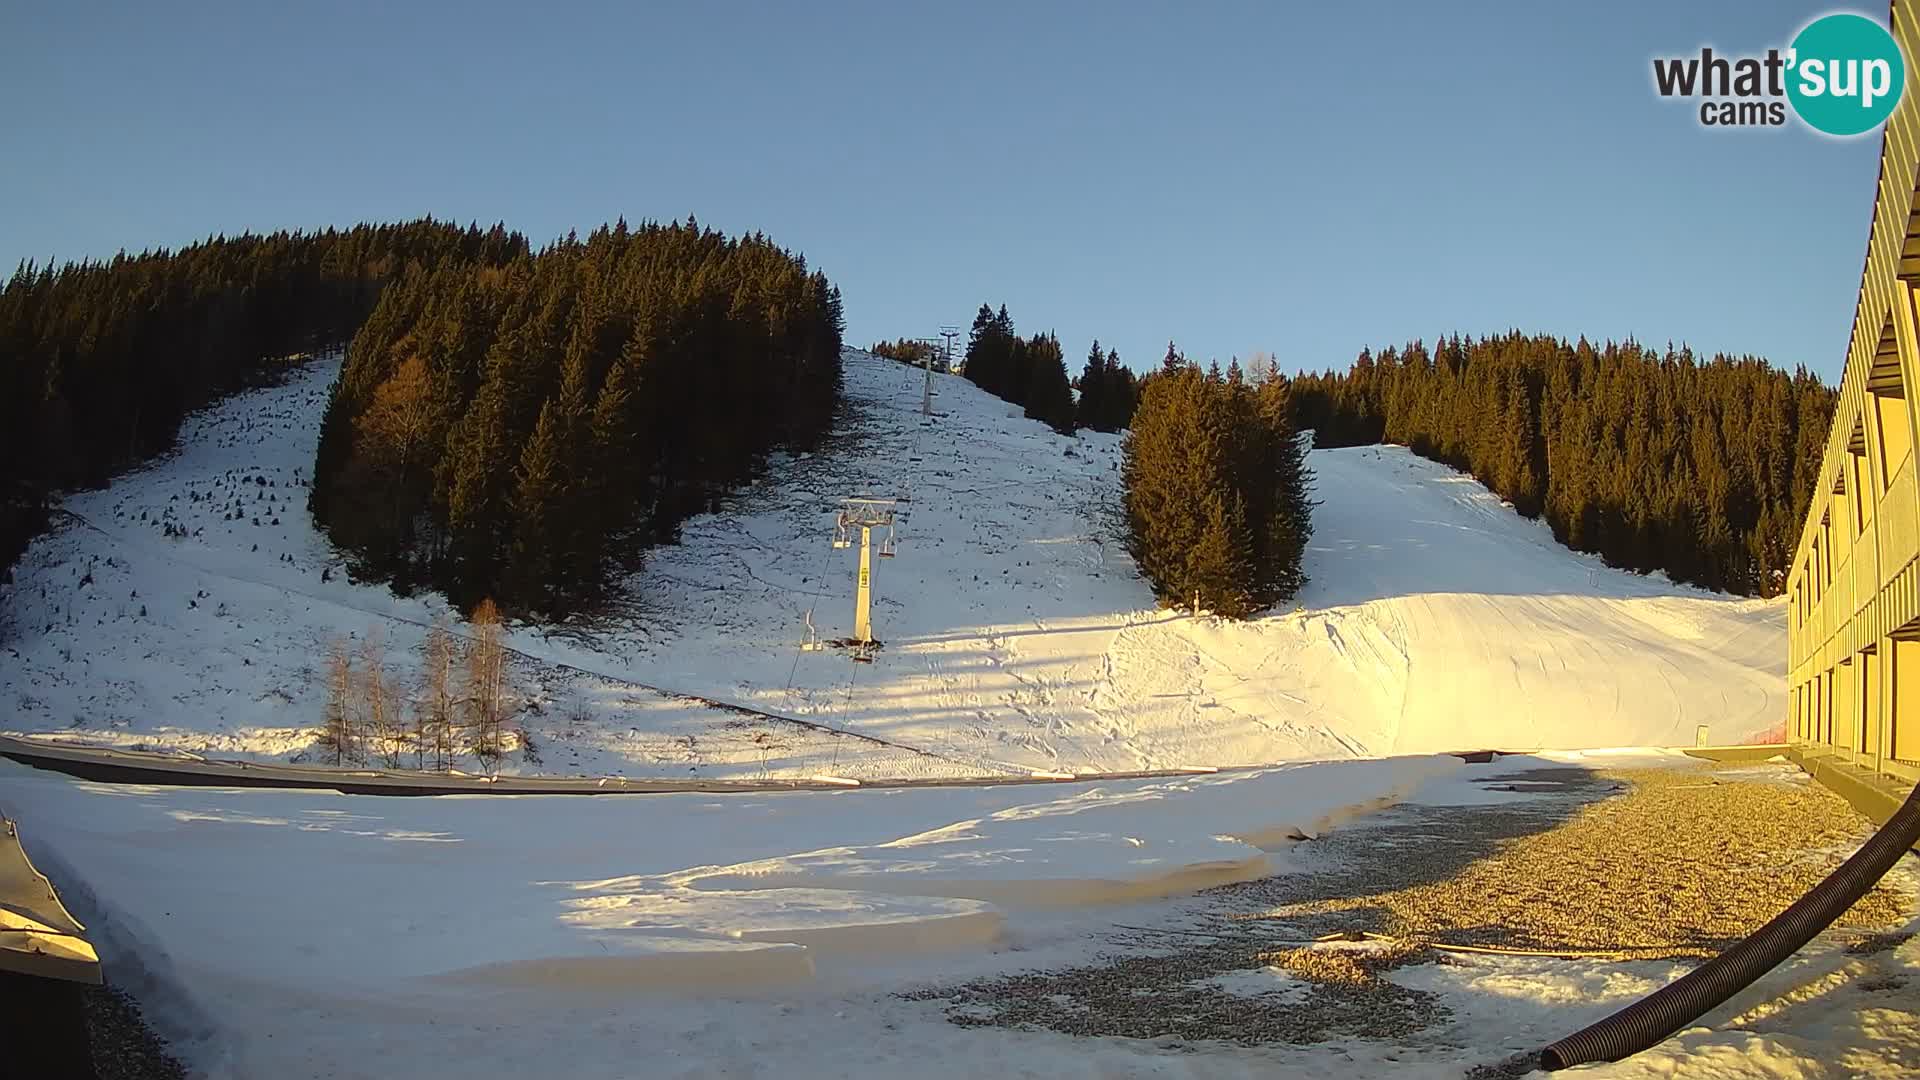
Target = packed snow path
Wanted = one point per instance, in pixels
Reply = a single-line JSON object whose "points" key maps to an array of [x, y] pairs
{"points": [[1018, 636]]}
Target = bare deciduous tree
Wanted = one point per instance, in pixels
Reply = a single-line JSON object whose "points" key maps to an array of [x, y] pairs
{"points": [[338, 733], [433, 718], [384, 726], [1261, 367], [485, 689]]}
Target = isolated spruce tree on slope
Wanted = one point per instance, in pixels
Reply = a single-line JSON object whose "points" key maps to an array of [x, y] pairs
{"points": [[1216, 497], [1123, 393], [1290, 525], [1093, 409], [1175, 458]]}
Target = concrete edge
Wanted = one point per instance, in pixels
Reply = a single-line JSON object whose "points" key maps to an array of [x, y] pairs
{"points": [[1736, 754], [1875, 796]]}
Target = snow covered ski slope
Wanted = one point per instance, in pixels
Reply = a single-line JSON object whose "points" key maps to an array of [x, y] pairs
{"points": [[187, 605]]}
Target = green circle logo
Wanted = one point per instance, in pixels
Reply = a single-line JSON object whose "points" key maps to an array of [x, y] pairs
{"points": [[1845, 74]]}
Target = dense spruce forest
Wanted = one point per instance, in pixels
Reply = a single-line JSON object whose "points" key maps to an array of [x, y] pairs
{"points": [[905, 350], [100, 361], [519, 431], [1216, 489], [1655, 460], [1030, 372], [1109, 392]]}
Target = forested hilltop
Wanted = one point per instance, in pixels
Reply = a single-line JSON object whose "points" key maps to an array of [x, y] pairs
{"points": [[506, 422], [1655, 460], [516, 431], [99, 361]]}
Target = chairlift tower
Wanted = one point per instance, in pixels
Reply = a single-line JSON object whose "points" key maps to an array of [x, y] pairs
{"points": [[865, 515], [948, 334], [926, 360]]}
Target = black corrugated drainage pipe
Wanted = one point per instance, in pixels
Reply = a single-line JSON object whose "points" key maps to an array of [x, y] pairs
{"points": [[1686, 999]]}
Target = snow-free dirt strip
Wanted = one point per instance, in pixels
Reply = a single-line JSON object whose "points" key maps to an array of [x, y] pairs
{"points": [[184, 607]]}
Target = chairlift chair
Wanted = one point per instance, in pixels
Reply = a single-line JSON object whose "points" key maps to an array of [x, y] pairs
{"points": [[887, 544], [812, 642], [842, 531]]}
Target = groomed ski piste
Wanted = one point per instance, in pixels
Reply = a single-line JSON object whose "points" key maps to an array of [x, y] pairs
{"points": [[308, 933], [188, 606]]}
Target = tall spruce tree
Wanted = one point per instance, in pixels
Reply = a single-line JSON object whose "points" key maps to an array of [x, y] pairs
{"points": [[1216, 493], [1049, 398], [1123, 393], [1094, 406]]}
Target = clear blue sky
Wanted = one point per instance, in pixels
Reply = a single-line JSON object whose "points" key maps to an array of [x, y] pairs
{"points": [[1303, 179]]}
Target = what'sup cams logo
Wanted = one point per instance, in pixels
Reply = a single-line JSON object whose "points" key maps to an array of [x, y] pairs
{"points": [[1842, 76]]}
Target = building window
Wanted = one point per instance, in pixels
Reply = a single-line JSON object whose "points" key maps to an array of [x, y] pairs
{"points": [[1859, 486], [1887, 391]]}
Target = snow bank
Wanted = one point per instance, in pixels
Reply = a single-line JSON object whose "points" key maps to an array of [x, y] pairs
{"points": [[650, 963]]}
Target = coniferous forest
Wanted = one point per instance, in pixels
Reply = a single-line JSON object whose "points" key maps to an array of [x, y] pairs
{"points": [[1217, 495], [1030, 372], [100, 361], [520, 424], [1654, 460], [507, 423], [905, 350], [1109, 392], [521, 430]]}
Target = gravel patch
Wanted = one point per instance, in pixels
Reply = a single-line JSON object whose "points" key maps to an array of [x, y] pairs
{"points": [[124, 1048], [1680, 864], [1641, 864]]}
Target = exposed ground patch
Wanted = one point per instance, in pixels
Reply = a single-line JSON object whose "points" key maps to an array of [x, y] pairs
{"points": [[1633, 864]]}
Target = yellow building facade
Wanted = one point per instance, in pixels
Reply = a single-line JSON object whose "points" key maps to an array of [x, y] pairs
{"points": [[1853, 622]]}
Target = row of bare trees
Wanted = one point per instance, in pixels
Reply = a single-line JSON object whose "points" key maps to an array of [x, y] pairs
{"points": [[458, 705]]}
